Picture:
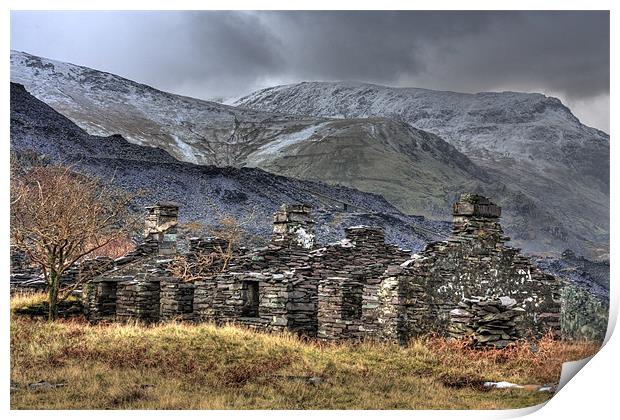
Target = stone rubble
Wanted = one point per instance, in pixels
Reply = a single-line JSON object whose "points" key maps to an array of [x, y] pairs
{"points": [[486, 321]]}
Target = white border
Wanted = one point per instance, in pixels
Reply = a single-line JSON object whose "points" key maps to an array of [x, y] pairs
{"points": [[592, 393]]}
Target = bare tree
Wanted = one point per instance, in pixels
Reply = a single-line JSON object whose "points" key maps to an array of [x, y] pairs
{"points": [[191, 228], [231, 229], [200, 265], [58, 217]]}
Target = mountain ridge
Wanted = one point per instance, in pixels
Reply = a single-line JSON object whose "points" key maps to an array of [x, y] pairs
{"points": [[209, 133], [414, 169], [38, 129], [525, 140], [240, 100]]}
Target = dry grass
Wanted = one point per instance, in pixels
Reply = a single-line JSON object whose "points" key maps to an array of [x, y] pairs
{"points": [[35, 305], [205, 367], [538, 363], [27, 300]]}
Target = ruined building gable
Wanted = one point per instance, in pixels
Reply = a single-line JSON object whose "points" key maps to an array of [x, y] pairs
{"points": [[475, 264]]}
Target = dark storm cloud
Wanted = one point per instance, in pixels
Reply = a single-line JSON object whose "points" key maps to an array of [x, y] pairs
{"points": [[225, 50], [565, 52], [210, 54], [376, 46]]}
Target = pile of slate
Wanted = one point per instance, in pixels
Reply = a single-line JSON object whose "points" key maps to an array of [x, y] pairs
{"points": [[365, 236], [488, 322]]}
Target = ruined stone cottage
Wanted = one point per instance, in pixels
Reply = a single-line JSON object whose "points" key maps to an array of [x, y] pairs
{"points": [[360, 287]]}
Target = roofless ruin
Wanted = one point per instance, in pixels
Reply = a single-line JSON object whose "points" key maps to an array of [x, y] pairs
{"points": [[473, 284]]}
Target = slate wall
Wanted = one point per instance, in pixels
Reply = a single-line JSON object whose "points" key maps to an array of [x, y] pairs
{"points": [[359, 287]]}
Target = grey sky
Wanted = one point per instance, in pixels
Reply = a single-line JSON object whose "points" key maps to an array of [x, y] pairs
{"points": [[224, 54]]}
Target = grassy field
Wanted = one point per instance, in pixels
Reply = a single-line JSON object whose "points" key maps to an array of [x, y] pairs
{"points": [[178, 366]]}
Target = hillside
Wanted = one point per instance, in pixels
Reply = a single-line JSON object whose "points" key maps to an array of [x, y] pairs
{"points": [[530, 142], [417, 172], [205, 191], [191, 130], [203, 132], [414, 170]]}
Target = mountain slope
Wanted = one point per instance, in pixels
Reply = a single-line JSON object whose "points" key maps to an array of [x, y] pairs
{"points": [[529, 142], [105, 104], [204, 191], [205, 132], [416, 171]]}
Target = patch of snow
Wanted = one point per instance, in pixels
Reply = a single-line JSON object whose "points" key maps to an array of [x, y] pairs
{"points": [[284, 141], [407, 263], [501, 385], [344, 243], [185, 149], [303, 238], [507, 301]]}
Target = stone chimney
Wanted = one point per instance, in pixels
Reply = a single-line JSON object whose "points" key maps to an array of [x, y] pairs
{"points": [[477, 218], [293, 226], [161, 227]]}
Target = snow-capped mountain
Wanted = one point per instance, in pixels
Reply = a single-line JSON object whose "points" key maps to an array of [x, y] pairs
{"points": [[205, 132], [527, 141], [205, 191], [488, 124], [103, 104], [415, 170]]}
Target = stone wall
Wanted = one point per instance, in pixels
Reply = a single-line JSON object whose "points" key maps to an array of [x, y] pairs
{"points": [[86, 270], [340, 308], [286, 290], [161, 227], [474, 262], [348, 274], [383, 300], [100, 301], [128, 291], [28, 278], [230, 298], [207, 245], [486, 321], [24, 275], [293, 225], [359, 287], [138, 301], [176, 300]]}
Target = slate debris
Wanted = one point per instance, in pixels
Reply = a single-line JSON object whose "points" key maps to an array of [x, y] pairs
{"points": [[45, 385], [489, 322]]}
